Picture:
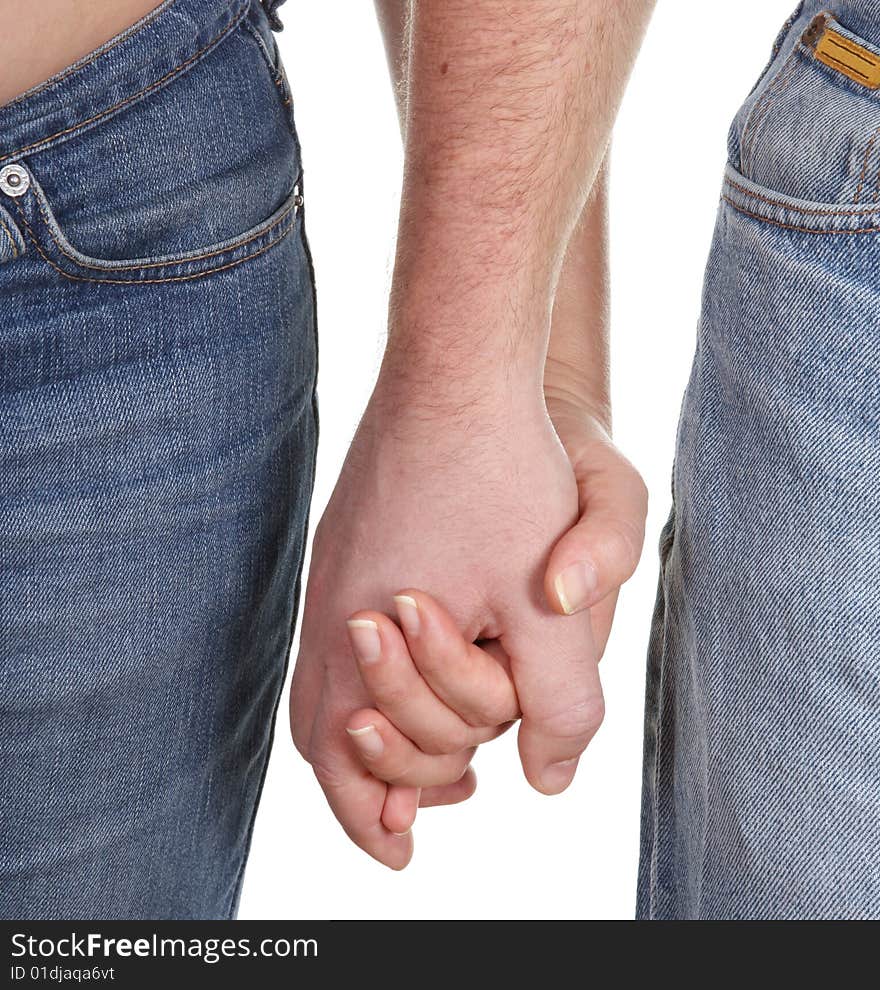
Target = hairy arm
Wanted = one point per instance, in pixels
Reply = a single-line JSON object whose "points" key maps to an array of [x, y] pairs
{"points": [[576, 376], [508, 113], [578, 363], [456, 481]]}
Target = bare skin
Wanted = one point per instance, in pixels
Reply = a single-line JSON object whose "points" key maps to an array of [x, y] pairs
{"points": [[41, 39], [460, 480], [424, 736]]}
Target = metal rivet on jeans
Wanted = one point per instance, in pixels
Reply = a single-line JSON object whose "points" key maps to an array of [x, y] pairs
{"points": [[14, 180]]}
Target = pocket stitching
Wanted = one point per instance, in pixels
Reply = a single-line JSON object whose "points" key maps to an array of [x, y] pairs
{"points": [[794, 208], [183, 260], [153, 281], [791, 226]]}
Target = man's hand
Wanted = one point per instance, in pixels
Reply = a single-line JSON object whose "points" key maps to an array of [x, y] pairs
{"points": [[467, 508], [456, 481]]}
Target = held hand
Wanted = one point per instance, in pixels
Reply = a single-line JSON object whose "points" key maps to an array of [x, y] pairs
{"points": [[467, 504], [435, 694], [436, 698], [601, 551]]}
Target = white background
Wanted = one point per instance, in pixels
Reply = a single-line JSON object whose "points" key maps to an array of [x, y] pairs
{"points": [[508, 852]]}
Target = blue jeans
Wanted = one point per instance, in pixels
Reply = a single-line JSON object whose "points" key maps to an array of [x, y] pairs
{"points": [[157, 442], [762, 755]]}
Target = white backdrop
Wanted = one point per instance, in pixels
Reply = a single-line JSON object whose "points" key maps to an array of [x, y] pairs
{"points": [[508, 852]]}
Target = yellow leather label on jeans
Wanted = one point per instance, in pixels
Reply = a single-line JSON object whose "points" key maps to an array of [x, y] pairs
{"points": [[847, 56]]}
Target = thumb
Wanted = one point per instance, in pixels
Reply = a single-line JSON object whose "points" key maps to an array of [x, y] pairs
{"points": [[555, 669], [601, 551]]}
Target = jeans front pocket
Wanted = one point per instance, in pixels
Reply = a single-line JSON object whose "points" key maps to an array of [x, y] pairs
{"points": [[35, 218], [810, 130], [181, 172]]}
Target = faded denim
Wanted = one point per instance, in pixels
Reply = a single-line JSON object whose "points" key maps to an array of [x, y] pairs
{"points": [[762, 754], [157, 441]]}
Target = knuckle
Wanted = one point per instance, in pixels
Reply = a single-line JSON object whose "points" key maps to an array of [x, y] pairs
{"points": [[491, 711], [450, 769], [450, 740], [576, 723], [626, 539], [327, 776]]}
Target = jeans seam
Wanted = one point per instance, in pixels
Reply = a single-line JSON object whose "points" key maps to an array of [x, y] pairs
{"points": [[246, 239], [11, 238], [153, 281], [44, 143], [801, 229]]}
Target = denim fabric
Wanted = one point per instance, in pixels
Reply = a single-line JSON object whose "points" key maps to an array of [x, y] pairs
{"points": [[271, 7], [762, 753], [157, 442]]}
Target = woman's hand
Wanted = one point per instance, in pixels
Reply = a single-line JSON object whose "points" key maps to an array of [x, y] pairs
{"points": [[436, 697]]}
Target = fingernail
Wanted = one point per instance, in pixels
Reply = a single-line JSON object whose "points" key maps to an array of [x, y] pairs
{"points": [[558, 776], [368, 741], [402, 835], [574, 586], [364, 634], [408, 613]]}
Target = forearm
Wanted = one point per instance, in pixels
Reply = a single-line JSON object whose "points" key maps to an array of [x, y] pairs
{"points": [[576, 375], [577, 364], [507, 120]]}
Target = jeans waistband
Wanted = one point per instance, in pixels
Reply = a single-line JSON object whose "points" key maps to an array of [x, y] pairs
{"points": [[147, 56]]}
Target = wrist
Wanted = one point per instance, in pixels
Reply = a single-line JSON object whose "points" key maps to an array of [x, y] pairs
{"points": [[459, 371], [579, 391], [430, 386], [449, 337]]}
